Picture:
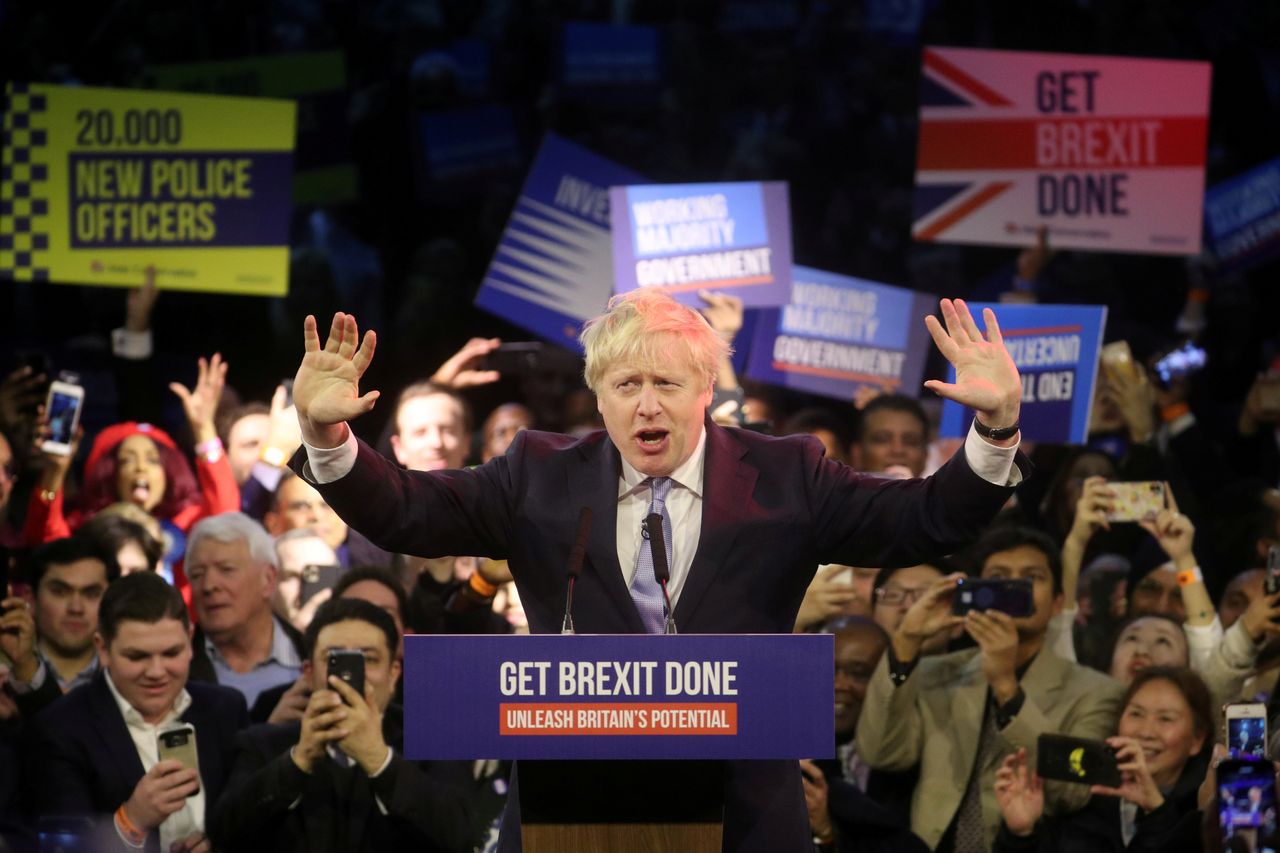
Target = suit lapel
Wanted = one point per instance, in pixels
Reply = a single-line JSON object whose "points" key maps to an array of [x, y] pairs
{"points": [[969, 700], [596, 481], [727, 486], [1045, 677], [109, 726]]}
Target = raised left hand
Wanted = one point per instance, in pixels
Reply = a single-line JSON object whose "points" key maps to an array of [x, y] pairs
{"points": [[987, 380], [363, 726], [201, 402], [1136, 784], [997, 637]]}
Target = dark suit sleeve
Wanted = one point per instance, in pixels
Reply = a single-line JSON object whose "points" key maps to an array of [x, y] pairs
{"points": [[428, 514], [35, 701], [258, 794], [861, 520], [436, 812]]}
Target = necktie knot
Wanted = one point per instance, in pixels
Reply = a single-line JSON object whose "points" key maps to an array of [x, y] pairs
{"points": [[661, 487]]}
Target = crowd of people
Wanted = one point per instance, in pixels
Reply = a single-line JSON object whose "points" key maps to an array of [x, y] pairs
{"points": [[155, 584]]}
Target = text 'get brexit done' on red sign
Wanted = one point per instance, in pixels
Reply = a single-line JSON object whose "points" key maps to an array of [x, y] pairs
{"points": [[1107, 152]]}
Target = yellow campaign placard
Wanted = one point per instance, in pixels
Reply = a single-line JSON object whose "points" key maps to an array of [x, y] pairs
{"points": [[99, 184]]}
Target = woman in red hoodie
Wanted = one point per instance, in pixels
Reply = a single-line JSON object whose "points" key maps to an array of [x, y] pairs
{"points": [[139, 463]]}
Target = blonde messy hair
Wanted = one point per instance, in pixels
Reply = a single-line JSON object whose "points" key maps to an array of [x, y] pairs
{"points": [[643, 324]]}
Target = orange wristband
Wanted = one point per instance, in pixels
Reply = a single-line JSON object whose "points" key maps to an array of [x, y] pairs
{"points": [[1173, 411], [1190, 576], [129, 829], [481, 586]]}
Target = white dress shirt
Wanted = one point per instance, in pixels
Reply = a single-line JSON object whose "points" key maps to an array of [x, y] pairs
{"points": [[189, 818], [684, 503]]}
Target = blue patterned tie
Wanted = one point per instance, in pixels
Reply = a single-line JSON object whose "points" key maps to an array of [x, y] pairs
{"points": [[645, 591]]}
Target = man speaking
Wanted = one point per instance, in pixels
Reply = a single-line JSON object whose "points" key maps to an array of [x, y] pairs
{"points": [[746, 518]]}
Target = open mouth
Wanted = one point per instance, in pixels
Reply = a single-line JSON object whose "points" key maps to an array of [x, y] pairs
{"points": [[652, 439], [140, 490]]}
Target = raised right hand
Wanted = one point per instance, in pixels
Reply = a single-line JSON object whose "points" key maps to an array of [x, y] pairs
{"points": [[930, 614], [1019, 793], [326, 389], [160, 793], [1091, 510], [322, 723]]}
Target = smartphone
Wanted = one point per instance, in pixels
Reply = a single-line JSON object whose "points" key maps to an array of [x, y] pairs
{"points": [[316, 578], [1247, 803], [347, 664], [1179, 363], [179, 742], [1137, 501], [516, 358], [1008, 595], [1117, 359], [1076, 759], [1246, 729], [62, 409], [1272, 582]]}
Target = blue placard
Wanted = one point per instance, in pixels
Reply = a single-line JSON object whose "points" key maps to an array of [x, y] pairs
{"points": [[840, 334], [604, 61], [1056, 348], [554, 264], [694, 696], [682, 238], [1242, 218], [467, 146]]}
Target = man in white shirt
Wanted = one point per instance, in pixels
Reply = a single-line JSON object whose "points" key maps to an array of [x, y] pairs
{"points": [[95, 751], [742, 544]]}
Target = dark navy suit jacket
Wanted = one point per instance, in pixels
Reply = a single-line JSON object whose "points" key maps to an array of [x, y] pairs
{"points": [[773, 509], [83, 762]]}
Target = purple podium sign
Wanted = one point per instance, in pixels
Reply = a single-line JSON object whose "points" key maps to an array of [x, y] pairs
{"points": [[619, 696]]}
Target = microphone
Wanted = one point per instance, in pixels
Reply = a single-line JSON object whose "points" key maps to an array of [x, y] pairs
{"points": [[661, 572], [576, 555]]}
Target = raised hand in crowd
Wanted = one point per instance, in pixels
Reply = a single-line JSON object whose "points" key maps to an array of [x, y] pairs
{"points": [[930, 614], [464, 369], [326, 389], [724, 313], [1131, 392], [825, 597], [323, 723], [1094, 504], [161, 792], [997, 637], [18, 637], [293, 704], [55, 466], [283, 432], [1019, 793], [21, 394], [362, 739], [1176, 535], [139, 303], [1261, 619], [1136, 782], [815, 799], [986, 378], [201, 401]]}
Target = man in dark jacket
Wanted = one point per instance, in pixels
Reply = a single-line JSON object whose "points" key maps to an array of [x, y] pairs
{"points": [[336, 780]]}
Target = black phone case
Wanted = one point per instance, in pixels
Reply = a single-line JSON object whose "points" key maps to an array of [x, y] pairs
{"points": [[993, 594], [349, 668], [1073, 759]]}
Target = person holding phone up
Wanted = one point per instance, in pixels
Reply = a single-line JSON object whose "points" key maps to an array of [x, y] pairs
{"points": [[956, 715], [1161, 744], [336, 780]]}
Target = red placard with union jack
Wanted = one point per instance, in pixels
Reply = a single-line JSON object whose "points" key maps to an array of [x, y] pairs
{"points": [[1108, 153]]}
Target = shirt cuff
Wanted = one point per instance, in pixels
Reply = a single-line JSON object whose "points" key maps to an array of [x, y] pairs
{"points": [[134, 346], [386, 762], [36, 682], [328, 464], [991, 463]]}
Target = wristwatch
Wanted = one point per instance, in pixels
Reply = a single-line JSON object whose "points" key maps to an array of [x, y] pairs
{"points": [[996, 433]]}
